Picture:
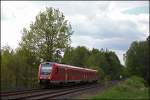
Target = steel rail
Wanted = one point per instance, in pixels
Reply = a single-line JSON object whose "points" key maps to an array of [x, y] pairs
{"points": [[32, 94]]}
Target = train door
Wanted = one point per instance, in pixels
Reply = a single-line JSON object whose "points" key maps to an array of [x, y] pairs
{"points": [[66, 75]]}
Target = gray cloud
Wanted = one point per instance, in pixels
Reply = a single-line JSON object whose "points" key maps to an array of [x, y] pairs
{"points": [[107, 28], [116, 44]]}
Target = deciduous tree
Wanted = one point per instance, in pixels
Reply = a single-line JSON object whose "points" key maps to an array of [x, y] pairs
{"points": [[48, 36], [137, 59]]}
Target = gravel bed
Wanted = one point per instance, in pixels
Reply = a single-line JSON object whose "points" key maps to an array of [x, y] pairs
{"points": [[85, 93]]}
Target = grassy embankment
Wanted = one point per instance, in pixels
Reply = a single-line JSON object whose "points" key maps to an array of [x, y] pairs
{"points": [[132, 88]]}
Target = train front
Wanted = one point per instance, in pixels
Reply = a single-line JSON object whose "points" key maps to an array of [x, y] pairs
{"points": [[44, 73]]}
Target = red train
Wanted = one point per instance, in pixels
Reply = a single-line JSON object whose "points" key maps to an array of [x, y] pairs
{"points": [[54, 73]]}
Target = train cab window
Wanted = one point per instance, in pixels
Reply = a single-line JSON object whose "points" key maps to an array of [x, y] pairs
{"points": [[46, 68]]}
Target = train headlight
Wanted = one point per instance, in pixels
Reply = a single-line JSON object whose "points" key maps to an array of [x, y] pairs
{"points": [[49, 77]]}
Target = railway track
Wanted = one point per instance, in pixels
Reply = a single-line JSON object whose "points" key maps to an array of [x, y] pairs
{"points": [[18, 92], [45, 93]]}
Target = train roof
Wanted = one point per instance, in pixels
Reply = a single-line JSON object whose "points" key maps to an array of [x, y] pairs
{"points": [[77, 67], [70, 66]]}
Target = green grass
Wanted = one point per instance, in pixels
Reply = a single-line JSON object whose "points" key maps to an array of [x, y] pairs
{"points": [[132, 88]]}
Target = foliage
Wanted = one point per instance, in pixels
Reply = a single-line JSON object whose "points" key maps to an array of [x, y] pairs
{"points": [[48, 36], [7, 66], [17, 68], [76, 56], [132, 88], [134, 82], [137, 59]]}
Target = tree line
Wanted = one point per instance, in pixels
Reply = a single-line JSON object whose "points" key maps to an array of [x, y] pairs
{"points": [[48, 37], [106, 62], [137, 59]]}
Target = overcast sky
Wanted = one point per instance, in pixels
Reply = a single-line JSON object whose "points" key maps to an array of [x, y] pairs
{"points": [[96, 24]]}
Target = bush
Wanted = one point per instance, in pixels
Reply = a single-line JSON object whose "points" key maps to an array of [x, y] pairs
{"points": [[135, 81], [131, 84], [132, 88]]}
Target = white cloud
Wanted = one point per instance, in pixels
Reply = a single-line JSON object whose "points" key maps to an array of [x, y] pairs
{"points": [[120, 54], [98, 24]]}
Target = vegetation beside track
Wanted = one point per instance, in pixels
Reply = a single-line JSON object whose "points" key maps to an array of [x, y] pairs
{"points": [[132, 88]]}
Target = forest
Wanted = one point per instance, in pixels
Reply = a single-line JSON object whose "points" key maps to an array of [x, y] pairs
{"points": [[49, 39]]}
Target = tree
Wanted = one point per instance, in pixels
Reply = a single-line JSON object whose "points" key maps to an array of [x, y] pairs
{"points": [[115, 68], [48, 36], [76, 56], [68, 56], [137, 59], [7, 68], [17, 69], [27, 64]]}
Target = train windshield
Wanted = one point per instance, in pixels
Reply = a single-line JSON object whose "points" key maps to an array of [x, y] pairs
{"points": [[46, 68]]}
